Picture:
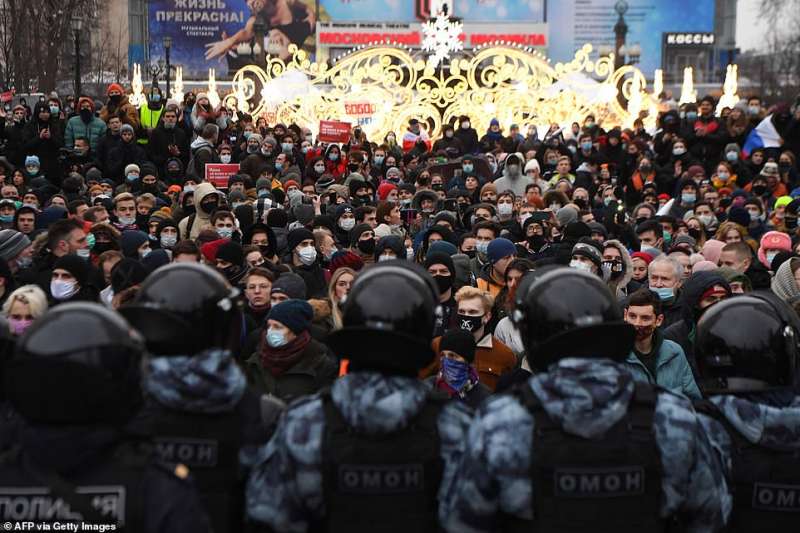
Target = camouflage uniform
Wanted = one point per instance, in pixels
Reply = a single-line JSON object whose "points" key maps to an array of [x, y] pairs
{"points": [[285, 488], [587, 396], [771, 421]]}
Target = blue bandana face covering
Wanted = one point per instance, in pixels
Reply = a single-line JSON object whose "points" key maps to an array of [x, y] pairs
{"points": [[455, 373]]}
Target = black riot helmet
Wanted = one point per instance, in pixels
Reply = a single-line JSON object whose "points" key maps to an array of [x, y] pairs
{"points": [[77, 364], [388, 319], [563, 312], [748, 343], [185, 308]]}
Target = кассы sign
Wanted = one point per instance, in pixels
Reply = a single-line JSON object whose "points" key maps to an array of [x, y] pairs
{"points": [[688, 38]]}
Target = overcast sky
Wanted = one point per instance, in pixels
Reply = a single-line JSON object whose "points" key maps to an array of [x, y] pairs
{"points": [[750, 27]]}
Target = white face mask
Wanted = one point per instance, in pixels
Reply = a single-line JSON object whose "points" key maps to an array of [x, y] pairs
{"points": [[347, 223], [580, 265], [307, 255], [83, 253], [61, 290], [385, 258], [168, 241], [225, 158], [127, 221], [319, 169], [504, 209], [410, 254]]}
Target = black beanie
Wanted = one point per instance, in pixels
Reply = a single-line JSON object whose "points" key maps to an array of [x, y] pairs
{"points": [[77, 266], [296, 236], [231, 252], [460, 342], [440, 258]]}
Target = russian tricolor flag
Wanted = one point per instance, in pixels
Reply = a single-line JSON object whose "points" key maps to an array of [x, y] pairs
{"points": [[763, 136]]}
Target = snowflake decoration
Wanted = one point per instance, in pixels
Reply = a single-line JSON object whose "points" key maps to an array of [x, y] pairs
{"points": [[441, 37]]}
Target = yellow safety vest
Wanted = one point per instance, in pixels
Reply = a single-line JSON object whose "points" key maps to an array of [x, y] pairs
{"points": [[149, 120]]}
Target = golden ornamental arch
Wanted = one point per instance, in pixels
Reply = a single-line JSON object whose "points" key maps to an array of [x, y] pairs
{"points": [[381, 87]]}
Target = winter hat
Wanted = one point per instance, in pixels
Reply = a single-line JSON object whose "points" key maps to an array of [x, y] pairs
{"points": [[784, 284], [294, 314], [694, 170], [702, 266], [155, 260], [115, 87], [440, 258], [211, 248], [566, 215], [532, 165], [126, 127], [458, 341], [303, 213], [32, 160], [86, 100], [291, 285], [575, 230], [296, 236], [231, 252], [488, 187], [596, 227], [345, 258], [126, 274], [357, 231], [391, 242], [732, 147], [384, 189], [712, 249], [685, 239], [494, 122], [443, 246], [277, 218], [341, 210], [770, 170], [263, 183], [783, 201], [589, 250], [739, 215], [12, 243], [324, 181], [500, 248], [647, 258], [130, 241], [773, 240], [77, 266]]}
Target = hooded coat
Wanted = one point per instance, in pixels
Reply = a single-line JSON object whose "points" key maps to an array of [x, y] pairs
{"points": [[124, 110], [620, 286], [515, 184], [200, 218]]}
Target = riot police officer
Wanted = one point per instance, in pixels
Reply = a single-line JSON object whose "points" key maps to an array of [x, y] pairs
{"points": [[75, 380], [747, 354], [197, 407], [581, 446], [377, 451]]}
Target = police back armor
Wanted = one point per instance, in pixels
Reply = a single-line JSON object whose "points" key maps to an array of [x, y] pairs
{"points": [[382, 483], [110, 491], [765, 482], [209, 445], [611, 483]]}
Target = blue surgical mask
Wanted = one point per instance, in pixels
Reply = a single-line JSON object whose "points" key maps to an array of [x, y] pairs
{"points": [[455, 373], [6, 219], [132, 177], [278, 166], [482, 247], [665, 294], [587, 146], [54, 110], [275, 339], [378, 159], [225, 233], [688, 198], [333, 157], [732, 156], [467, 168], [691, 116], [287, 147]]}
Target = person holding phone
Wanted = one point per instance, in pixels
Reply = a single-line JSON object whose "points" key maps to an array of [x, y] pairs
{"points": [[43, 137]]}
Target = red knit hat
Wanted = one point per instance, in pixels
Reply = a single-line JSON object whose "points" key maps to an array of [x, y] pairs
{"points": [[290, 183], [345, 258], [384, 189], [86, 99], [115, 87], [647, 258], [210, 249]]}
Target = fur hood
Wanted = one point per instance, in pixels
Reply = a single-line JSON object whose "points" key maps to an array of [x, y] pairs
{"points": [[618, 286]]}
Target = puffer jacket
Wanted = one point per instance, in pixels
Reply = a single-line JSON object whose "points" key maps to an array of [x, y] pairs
{"points": [[201, 218]]}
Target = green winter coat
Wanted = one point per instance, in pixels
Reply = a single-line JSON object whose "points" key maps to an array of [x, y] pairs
{"points": [[93, 131], [672, 369]]}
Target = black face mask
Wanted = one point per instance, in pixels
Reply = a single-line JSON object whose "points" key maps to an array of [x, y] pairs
{"points": [[444, 283], [86, 115], [536, 242], [694, 233], [265, 251], [469, 323], [353, 167], [790, 221], [470, 253], [367, 247], [759, 190], [209, 207], [116, 99], [100, 247], [615, 268]]}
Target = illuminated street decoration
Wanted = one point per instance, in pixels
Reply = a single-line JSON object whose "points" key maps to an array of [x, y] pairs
{"points": [[688, 94], [381, 87], [729, 97], [441, 36]]}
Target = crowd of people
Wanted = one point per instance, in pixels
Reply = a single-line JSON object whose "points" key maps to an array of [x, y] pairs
{"points": [[543, 253]]}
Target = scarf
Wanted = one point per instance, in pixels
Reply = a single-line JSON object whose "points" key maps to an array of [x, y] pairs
{"points": [[279, 360]]}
